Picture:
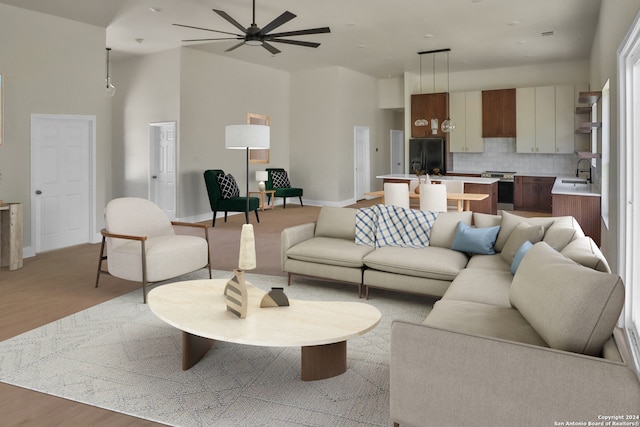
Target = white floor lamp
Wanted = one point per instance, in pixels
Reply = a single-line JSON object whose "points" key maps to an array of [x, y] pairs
{"points": [[247, 137]]}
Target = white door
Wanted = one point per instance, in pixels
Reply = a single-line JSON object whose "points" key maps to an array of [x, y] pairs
{"points": [[162, 182], [362, 179], [397, 151], [62, 180]]}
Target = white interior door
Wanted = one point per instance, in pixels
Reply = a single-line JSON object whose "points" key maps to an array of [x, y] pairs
{"points": [[162, 182], [362, 167], [397, 151], [62, 180]]}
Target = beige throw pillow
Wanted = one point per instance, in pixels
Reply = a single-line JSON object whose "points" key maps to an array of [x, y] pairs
{"points": [[518, 236], [510, 221]]}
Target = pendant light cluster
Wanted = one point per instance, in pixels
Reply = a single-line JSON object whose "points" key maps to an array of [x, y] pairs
{"points": [[110, 89], [447, 125]]}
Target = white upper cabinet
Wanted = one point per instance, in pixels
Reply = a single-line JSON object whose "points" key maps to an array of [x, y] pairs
{"points": [[466, 112], [545, 119]]}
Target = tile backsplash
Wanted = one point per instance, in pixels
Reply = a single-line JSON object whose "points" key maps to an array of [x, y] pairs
{"points": [[500, 155]]}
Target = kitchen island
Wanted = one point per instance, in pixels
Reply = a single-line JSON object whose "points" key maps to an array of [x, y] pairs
{"points": [[472, 184]]}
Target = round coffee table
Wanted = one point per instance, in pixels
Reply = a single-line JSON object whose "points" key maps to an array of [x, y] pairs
{"points": [[320, 328]]}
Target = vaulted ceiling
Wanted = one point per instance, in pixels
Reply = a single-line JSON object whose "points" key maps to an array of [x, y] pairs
{"points": [[380, 38]]}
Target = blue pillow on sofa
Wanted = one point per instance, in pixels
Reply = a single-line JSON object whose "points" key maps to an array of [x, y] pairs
{"points": [[475, 240], [519, 255]]}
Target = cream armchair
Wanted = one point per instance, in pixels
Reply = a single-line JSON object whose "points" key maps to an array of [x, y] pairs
{"points": [[142, 245]]}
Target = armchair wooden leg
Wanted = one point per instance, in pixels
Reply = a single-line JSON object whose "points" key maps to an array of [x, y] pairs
{"points": [[102, 258], [225, 216], [213, 221], [284, 203], [300, 197]]}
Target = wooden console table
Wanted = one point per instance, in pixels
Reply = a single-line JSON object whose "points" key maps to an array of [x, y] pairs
{"points": [[11, 235]]}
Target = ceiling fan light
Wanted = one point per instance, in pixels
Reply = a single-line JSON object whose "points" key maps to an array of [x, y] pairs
{"points": [[254, 42]]}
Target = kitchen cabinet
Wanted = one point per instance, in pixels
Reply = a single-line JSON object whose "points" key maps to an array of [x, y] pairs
{"points": [[533, 193], [428, 106], [545, 119], [466, 112], [499, 113], [585, 209]]}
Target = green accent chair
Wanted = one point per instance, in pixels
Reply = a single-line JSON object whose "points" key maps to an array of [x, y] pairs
{"points": [[236, 204], [283, 192]]}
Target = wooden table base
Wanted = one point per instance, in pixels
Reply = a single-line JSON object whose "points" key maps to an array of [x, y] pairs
{"points": [[323, 361], [318, 362]]}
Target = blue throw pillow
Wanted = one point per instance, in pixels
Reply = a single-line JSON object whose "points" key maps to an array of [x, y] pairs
{"points": [[519, 255], [475, 240]]}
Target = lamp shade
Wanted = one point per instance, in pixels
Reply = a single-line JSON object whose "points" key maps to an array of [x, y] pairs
{"points": [[246, 136], [262, 176]]}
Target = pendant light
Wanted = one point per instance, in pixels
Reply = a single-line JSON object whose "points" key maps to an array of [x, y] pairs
{"points": [[421, 122], [110, 89], [448, 125]]}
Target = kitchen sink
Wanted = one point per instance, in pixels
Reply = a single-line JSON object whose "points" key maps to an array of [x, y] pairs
{"points": [[574, 181]]}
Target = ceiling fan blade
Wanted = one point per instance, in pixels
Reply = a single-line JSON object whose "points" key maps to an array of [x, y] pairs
{"points": [[271, 48], [233, 22], [207, 29], [296, 42], [234, 47], [280, 20], [300, 32], [208, 40]]}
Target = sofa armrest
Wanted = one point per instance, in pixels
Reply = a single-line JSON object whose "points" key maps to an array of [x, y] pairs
{"points": [[452, 378], [292, 236]]}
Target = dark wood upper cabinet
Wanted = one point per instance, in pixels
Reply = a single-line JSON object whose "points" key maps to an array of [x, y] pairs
{"points": [[499, 113], [428, 106]]}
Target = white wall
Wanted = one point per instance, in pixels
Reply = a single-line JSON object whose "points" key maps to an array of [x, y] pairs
{"points": [[147, 91], [50, 66], [326, 104], [615, 18], [214, 92]]}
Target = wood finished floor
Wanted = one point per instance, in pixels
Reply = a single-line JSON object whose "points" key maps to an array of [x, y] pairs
{"points": [[58, 283]]}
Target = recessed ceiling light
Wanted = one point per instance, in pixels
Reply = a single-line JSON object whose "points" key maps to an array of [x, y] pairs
{"points": [[522, 42], [547, 33], [513, 23], [155, 9], [428, 36], [361, 46]]}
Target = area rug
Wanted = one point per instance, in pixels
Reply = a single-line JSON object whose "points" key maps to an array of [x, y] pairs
{"points": [[119, 356]]}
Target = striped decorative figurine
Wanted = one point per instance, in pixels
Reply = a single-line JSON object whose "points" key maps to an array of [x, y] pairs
{"points": [[236, 294]]}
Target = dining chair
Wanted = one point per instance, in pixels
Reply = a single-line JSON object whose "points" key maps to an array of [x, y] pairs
{"points": [[396, 194], [433, 197], [453, 186]]}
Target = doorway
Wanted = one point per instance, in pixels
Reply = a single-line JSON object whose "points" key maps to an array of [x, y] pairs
{"points": [[63, 180], [397, 151], [362, 160], [162, 166]]}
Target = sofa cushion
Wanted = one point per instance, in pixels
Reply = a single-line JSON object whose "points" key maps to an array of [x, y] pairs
{"points": [[572, 307], [563, 230], [481, 285], [430, 262], [483, 319], [444, 228], [517, 258], [486, 220], [509, 222], [522, 233], [339, 223], [493, 262], [584, 251], [326, 250], [474, 240]]}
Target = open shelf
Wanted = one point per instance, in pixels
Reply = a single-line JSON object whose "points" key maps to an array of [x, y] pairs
{"points": [[587, 127], [589, 97], [583, 109]]}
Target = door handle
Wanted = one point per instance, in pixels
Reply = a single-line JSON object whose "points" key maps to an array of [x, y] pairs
{"points": [[154, 177], [38, 192]]}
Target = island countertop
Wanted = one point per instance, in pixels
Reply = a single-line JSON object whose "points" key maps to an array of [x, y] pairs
{"points": [[413, 177]]}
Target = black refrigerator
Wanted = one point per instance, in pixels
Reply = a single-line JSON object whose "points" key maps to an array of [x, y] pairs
{"points": [[428, 154]]}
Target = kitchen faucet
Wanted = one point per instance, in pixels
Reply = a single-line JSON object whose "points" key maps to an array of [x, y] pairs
{"points": [[578, 170]]}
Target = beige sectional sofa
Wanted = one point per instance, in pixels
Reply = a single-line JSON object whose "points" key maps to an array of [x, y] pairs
{"points": [[533, 348]]}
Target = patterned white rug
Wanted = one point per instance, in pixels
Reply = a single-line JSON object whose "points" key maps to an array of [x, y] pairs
{"points": [[121, 357]]}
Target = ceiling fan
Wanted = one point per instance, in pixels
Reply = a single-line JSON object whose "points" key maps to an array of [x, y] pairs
{"points": [[256, 36]]}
